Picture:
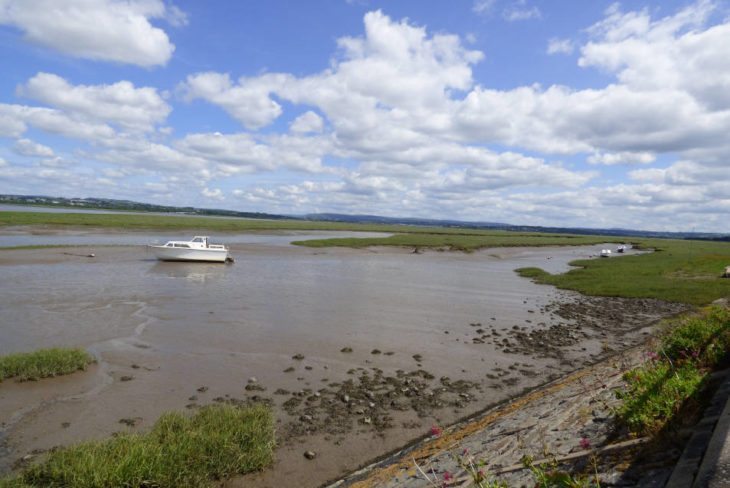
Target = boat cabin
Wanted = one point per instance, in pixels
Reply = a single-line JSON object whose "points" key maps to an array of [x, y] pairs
{"points": [[198, 242]]}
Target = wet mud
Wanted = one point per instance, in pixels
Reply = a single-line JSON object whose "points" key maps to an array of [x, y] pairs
{"points": [[358, 351]]}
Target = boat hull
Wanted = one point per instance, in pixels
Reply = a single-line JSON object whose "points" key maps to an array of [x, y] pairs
{"points": [[164, 253]]}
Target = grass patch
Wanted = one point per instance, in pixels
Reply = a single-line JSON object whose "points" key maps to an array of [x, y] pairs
{"points": [[679, 271], [465, 241], [656, 392], [44, 363], [218, 442]]}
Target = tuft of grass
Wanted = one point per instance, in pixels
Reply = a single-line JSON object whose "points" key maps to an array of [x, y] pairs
{"points": [[44, 363], [218, 442], [671, 381]]}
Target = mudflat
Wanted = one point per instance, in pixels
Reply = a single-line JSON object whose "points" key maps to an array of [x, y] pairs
{"points": [[358, 351]]}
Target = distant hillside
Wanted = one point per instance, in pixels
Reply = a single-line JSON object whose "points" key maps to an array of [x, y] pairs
{"points": [[127, 206]]}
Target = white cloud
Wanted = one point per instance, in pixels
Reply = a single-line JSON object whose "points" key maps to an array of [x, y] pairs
{"points": [[214, 194], [560, 46], [248, 101], [483, 7], [521, 10], [307, 122], [676, 52], [108, 30], [26, 147], [120, 103], [53, 121], [622, 158]]}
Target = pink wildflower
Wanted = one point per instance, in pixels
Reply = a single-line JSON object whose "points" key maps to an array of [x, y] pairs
{"points": [[448, 476], [436, 430], [585, 443]]}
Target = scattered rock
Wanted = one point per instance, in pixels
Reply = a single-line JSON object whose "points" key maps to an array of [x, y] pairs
{"points": [[310, 455], [130, 422]]}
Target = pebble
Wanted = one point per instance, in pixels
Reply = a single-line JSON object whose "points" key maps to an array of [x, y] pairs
{"points": [[310, 455]]}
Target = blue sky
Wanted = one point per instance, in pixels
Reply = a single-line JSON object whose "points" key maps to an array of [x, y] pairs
{"points": [[593, 114]]}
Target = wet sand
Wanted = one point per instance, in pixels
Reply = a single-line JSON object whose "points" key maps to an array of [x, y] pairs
{"points": [[427, 334]]}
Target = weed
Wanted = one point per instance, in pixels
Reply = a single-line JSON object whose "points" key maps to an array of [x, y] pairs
{"points": [[216, 443], [44, 363]]}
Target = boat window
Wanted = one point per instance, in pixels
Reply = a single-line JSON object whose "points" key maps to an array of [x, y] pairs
{"points": [[198, 239], [181, 245]]}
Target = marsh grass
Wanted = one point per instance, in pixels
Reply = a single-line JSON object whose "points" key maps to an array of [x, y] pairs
{"points": [[678, 271], [672, 380], [218, 442], [465, 241], [44, 363]]}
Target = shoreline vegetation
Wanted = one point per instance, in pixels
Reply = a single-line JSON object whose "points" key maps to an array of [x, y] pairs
{"points": [[216, 443], [677, 370], [43, 363]]}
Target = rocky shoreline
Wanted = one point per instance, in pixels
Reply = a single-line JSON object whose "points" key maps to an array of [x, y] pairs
{"points": [[568, 422]]}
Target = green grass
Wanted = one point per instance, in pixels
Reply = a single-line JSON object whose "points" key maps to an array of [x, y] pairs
{"points": [[679, 271], [464, 241], [218, 442], [430, 236], [175, 222], [44, 363], [656, 392]]}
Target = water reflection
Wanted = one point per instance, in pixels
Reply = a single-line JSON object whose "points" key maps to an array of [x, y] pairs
{"points": [[191, 272]]}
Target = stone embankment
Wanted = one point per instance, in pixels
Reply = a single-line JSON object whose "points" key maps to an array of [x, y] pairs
{"points": [[568, 421]]}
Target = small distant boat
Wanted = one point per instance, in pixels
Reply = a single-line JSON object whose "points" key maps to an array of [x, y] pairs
{"points": [[197, 249], [605, 253], [621, 248]]}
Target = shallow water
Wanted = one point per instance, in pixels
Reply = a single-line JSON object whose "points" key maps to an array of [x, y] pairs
{"points": [[94, 238], [175, 327]]}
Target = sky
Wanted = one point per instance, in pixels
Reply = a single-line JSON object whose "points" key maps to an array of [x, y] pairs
{"points": [[560, 113]]}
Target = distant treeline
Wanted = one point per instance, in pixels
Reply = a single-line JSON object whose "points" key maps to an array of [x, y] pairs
{"points": [[127, 206]]}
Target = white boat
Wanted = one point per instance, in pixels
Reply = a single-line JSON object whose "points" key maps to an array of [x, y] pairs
{"points": [[621, 248], [197, 249], [605, 253]]}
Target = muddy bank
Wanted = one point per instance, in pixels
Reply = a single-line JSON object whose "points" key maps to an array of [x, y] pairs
{"points": [[569, 421], [358, 351]]}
